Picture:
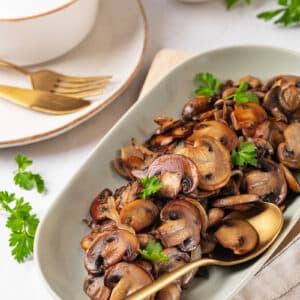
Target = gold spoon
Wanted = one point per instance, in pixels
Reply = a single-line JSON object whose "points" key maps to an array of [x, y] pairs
{"points": [[267, 221]]}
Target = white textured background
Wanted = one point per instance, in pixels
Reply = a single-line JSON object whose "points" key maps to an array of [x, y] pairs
{"points": [[192, 27]]}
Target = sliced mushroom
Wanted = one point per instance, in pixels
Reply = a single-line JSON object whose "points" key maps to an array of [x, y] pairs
{"points": [[289, 97], [290, 78], [196, 106], [215, 216], [237, 235], [268, 182], [139, 214], [145, 239], [127, 194], [102, 209], [228, 92], [292, 180], [252, 81], [181, 225], [217, 130], [109, 248], [237, 202], [289, 151], [247, 116], [126, 278], [208, 155], [208, 244], [170, 292], [94, 287], [176, 173], [165, 124]]}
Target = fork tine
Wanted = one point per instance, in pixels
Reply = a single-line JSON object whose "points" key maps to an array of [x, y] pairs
{"points": [[75, 79], [62, 90], [84, 94], [80, 85]]}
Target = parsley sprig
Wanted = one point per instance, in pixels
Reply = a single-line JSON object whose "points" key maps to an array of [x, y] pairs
{"points": [[151, 186], [246, 154], [288, 14], [22, 224], [209, 85], [153, 252], [26, 179], [231, 3], [242, 95]]}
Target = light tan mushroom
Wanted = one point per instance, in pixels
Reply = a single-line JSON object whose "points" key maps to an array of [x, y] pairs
{"points": [[237, 235], [289, 151], [291, 180], [181, 225], [144, 239], [126, 278], [208, 155], [237, 202], [109, 248], [215, 216], [94, 287], [170, 292], [139, 214], [217, 130]]}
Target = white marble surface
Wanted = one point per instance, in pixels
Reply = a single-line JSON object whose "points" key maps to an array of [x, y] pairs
{"points": [[192, 27]]}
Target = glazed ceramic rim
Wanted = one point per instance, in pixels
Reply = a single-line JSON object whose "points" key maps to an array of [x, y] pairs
{"points": [[62, 129], [46, 13], [267, 253]]}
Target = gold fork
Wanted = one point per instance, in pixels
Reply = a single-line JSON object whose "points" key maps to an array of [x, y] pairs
{"points": [[42, 101], [53, 82]]}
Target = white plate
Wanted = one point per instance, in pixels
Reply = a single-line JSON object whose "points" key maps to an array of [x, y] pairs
{"points": [[116, 47], [57, 251]]}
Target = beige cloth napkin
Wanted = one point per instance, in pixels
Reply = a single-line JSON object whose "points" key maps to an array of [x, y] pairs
{"points": [[279, 279]]}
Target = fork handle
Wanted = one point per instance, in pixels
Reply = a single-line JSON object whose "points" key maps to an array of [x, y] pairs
{"points": [[6, 64]]}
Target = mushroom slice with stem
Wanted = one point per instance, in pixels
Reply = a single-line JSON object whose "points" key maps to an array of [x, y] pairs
{"points": [[248, 116], [237, 202], [109, 248], [289, 152], [170, 292], [217, 130], [139, 214], [237, 235], [268, 183], [181, 225], [176, 173], [126, 278], [209, 154], [196, 106], [104, 209], [292, 180], [94, 287]]}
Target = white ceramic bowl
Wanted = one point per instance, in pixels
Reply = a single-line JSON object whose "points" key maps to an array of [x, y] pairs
{"points": [[57, 251], [34, 33]]}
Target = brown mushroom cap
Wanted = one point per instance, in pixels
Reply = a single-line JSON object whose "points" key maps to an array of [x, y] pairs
{"points": [[215, 215], [196, 106], [144, 239], [237, 202], [248, 115], [170, 292], [217, 130], [126, 278], [94, 287], [208, 155], [109, 248], [181, 227], [237, 235], [289, 151], [176, 173], [252, 81], [139, 214], [289, 97], [291, 180], [268, 183]]}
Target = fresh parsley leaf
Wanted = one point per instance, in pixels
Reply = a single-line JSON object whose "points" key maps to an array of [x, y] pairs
{"points": [[151, 186], [242, 96], [289, 14], [22, 223], [209, 86], [153, 252], [231, 3], [22, 161], [26, 179], [246, 154]]}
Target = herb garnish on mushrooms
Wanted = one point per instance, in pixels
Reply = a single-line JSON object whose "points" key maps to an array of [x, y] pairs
{"points": [[209, 85], [246, 154], [151, 186], [242, 96], [153, 252]]}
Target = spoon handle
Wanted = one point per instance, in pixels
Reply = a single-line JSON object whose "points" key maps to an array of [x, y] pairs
{"points": [[168, 278]]}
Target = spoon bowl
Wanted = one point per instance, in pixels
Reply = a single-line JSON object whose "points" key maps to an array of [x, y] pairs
{"points": [[268, 222]]}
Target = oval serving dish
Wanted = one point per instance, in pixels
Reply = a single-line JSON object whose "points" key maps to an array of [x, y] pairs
{"points": [[57, 251], [33, 33]]}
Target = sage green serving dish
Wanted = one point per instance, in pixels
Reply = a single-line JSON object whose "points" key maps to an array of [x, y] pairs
{"points": [[57, 251]]}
